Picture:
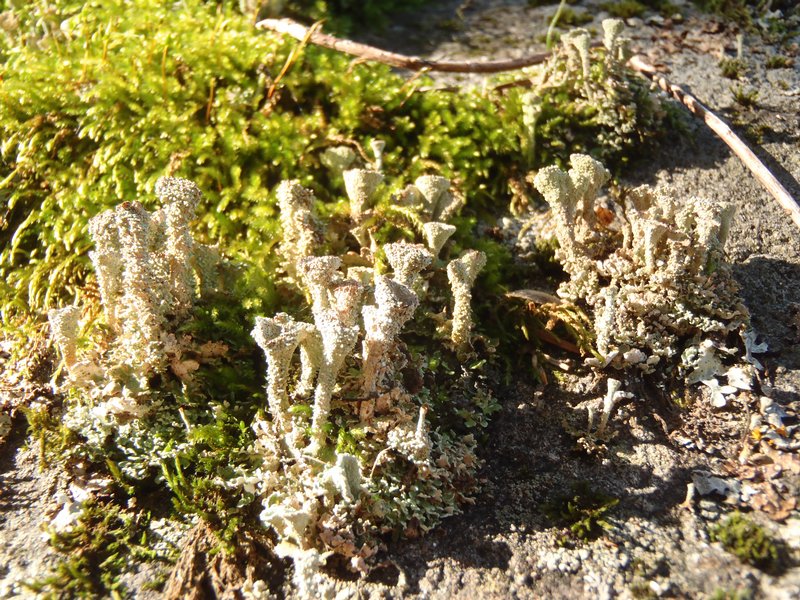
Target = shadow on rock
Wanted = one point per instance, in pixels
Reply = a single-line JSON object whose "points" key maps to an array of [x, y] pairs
{"points": [[533, 464], [770, 288]]}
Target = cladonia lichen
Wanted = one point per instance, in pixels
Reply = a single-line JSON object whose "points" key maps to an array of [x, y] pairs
{"points": [[607, 105], [654, 276], [149, 272], [462, 273], [334, 475]]}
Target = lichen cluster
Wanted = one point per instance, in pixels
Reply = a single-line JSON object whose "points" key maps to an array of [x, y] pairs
{"points": [[350, 366], [349, 444], [374, 395], [149, 272], [584, 96], [651, 271]]}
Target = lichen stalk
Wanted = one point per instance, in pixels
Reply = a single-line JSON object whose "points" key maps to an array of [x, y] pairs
{"points": [[107, 264], [310, 360], [300, 235], [64, 332], [142, 316], [407, 260], [180, 198], [436, 235], [361, 185], [338, 341], [278, 337], [394, 305], [462, 273], [319, 274]]}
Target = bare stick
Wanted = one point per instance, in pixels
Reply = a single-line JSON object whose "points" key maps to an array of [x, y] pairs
{"points": [[718, 126], [413, 63]]}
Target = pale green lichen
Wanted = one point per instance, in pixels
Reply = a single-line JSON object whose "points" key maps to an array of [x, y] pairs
{"points": [[338, 158], [64, 325], [179, 199], [407, 260], [394, 305], [436, 235], [361, 185], [610, 110], [462, 273], [311, 491], [300, 231], [150, 271], [654, 278]]}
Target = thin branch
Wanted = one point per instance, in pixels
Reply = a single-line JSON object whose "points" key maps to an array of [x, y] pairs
{"points": [[413, 63], [718, 126]]}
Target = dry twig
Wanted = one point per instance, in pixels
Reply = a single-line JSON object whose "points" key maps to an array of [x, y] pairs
{"points": [[413, 63]]}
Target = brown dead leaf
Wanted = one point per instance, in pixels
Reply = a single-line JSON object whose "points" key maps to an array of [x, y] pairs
{"points": [[535, 296], [183, 369], [787, 462], [604, 216], [212, 350], [772, 504]]}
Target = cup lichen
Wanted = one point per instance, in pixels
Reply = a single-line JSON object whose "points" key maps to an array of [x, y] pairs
{"points": [[654, 277], [312, 490]]}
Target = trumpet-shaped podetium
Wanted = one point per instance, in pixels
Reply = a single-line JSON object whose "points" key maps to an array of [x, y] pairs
{"points": [[361, 185], [462, 273], [366, 458], [407, 260], [437, 234], [300, 231]]}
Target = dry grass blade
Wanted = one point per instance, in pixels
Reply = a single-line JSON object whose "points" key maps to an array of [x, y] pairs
{"points": [[535, 296]]}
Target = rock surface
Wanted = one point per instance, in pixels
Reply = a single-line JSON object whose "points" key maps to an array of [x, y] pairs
{"points": [[657, 544]]}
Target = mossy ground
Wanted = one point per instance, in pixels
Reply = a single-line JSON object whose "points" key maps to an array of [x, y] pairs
{"points": [[749, 542], [87, 127]]}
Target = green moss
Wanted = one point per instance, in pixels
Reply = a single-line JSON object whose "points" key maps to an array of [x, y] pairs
{"points": [[624, 9], [749, 542], [583, 512], [778, 61], [726, 594], [91, 117], [746, 98], [573, 18], [732, 68], [45, 427], [83, 126], [104, 544]]}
